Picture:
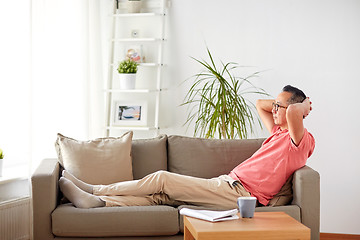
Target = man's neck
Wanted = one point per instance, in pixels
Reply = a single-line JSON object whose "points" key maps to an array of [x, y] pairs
{"points": [[283, 127]]}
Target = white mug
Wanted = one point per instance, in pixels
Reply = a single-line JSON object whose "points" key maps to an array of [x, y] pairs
{"points": [[246, 206]]}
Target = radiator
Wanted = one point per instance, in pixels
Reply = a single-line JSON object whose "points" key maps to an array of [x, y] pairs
{"points": [[15, 219]]}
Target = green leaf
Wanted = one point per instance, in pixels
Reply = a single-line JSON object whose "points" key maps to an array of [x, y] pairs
{"points": [[127, 66], [218, 104]]}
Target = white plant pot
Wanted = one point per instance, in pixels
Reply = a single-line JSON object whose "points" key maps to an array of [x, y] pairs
{"points": [[127, 80], [134, 6], [1, 167]]}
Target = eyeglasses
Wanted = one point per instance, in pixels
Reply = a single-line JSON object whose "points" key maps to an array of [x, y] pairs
{"points": [[277, 106]]}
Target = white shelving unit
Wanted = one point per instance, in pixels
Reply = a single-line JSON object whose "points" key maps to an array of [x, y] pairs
{"points": [[150, 38]]}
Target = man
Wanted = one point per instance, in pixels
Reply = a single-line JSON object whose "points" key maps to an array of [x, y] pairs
{"points": [[262, 175]]}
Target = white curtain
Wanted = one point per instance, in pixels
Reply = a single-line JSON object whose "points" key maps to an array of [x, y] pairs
{"points": [[69, 59], [15, 95]]}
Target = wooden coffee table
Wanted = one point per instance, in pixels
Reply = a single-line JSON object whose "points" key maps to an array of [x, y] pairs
{"points": [[264, 225]]}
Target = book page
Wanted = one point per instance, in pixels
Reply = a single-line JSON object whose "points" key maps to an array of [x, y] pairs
{"points": [[209, 215]]}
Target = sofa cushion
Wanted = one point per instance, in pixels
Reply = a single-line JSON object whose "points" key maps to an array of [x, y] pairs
{"points": [[99, 161], [149, 155], [284, 196], [208, 158], [68, 221]]}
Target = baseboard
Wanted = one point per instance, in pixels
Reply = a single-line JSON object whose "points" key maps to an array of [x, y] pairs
{"points": [[333, 236]]}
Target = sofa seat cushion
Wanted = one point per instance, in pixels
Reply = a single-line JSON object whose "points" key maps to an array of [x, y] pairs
{"points": [[68, 221], [291, 210]]}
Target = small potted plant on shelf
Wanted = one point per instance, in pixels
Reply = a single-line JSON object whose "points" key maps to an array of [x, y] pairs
{"points": [[127, 74], [1, 161], [134, 6]]}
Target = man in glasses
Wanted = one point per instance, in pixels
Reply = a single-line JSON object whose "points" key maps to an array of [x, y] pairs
{"points": [[262, 175], [285, 151]]}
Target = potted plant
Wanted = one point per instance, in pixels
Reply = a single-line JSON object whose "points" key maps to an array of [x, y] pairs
{"points": [[127, 74], [134, 6], [219, 104], [1, 161]]}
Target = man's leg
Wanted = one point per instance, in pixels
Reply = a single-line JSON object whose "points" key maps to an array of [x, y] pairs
{"points": [[82, 199], [151, 200], [77, 196], [198, 191], [80, 184]]}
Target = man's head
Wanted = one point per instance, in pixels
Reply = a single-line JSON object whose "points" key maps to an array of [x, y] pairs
{"points": [[289, 95], [297, 96]]}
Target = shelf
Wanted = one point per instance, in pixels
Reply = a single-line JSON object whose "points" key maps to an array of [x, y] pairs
{"points": [[151, 64], [146, 65], [131, 128], [136, 39], [138, 14], [130, 90], [153, 19]]}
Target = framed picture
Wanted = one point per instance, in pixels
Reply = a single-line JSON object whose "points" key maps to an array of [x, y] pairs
{"points": [[130, 113], [134, 53]]}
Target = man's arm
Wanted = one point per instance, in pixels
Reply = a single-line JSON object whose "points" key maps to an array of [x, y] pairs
{"points": [[264, 108], [295, 113]]}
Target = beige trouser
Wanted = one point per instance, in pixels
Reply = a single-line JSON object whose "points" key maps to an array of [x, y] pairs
{"points": [[164, 187]]}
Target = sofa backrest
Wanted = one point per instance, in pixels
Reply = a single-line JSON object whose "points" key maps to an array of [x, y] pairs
{"points": [[198, 157], [149, 155], [208, 158]]}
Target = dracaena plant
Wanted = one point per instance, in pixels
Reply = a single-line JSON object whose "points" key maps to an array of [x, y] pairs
{"points": [[1, 154], [217, 101]]}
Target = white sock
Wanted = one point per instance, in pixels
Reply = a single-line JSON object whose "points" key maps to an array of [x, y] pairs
{"points": [[78, 197], [82, 185]]}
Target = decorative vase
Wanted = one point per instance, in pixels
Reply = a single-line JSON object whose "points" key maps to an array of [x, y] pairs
{"points": [[127, 80], [1, 167], [134, 6]]}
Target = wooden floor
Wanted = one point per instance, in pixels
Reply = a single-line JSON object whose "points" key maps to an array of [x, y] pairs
{"points": [[335, 236]]}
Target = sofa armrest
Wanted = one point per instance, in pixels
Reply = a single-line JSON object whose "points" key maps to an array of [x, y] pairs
{"points": [[44, 197], [306, 191]]}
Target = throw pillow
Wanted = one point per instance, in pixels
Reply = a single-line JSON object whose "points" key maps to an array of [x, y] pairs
{"points": [[284, 196], [98, 161]]}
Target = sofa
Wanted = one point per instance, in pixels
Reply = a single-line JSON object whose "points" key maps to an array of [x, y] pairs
{"points": [[197, 157]]}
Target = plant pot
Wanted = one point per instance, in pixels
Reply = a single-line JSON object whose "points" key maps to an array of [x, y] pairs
{"points": [[134, 6], [1, 167], [127, 80]]}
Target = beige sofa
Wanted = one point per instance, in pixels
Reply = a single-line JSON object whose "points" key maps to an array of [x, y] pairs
{"points": [[190, 156]]}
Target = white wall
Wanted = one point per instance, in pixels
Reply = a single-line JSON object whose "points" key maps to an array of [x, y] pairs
{"points": [[312, 44]]}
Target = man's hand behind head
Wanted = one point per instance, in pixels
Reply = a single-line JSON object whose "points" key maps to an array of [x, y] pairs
{"points": [[307, 105]]}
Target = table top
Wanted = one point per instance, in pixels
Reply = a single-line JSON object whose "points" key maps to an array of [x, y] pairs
{"points": [[267, 223]]}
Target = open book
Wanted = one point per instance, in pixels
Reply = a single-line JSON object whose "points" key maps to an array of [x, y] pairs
{"points": [[212, 216]]}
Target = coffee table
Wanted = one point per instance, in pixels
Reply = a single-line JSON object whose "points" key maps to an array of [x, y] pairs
{"points": [[264, 225]]}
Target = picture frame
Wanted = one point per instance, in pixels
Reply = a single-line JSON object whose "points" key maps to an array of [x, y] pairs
{"points": [[130, 113]]}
